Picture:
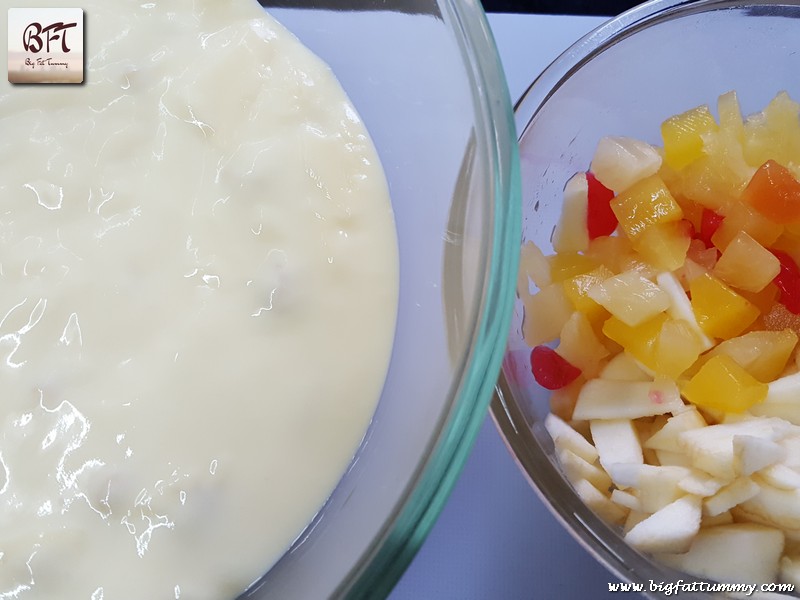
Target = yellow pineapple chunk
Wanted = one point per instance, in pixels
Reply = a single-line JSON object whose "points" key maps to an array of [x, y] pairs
{"points": [[664, 245], [579, 345], [546, 312], [763, 354], [631, 298], [683, 136], [611, 251], [747, 265], [644, 204], [773, 133], [743, 217], [730, 115], [577, 288]]}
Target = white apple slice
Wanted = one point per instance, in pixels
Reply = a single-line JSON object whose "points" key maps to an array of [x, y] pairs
{"points": [[634, 517], [789, 412], [606, 399], [755, 453], [565, 437], [738, 491], [700, 484], [738, 553], [781, 477], [619, 162], [673, 459], [724, 518], [616, 441], [671, 529], [626, 499], [576, 468], [680, 306], [600, 503], [711, 448], [624, 368], [773, 506], [667, 438], [791, 443], [572, 234], [656, 486], [790, 570], [784, 390]]}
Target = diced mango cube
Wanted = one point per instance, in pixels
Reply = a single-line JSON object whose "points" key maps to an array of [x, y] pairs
{"points": [[644, 204], [639, 341], [747, 265], [664, 245], [683, 136], [720, 312], [677, 348], [722, 384], [763, 354], [630, 297]]}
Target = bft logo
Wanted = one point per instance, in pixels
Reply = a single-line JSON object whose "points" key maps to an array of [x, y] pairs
{"points": [[45, 45], [32, 36]]}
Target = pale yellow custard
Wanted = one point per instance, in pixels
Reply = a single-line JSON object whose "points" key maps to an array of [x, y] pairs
{"points": [[198, 290]]}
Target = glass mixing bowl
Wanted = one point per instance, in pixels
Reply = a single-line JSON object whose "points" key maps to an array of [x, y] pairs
{"points": [[624, 78], [427, 81]]}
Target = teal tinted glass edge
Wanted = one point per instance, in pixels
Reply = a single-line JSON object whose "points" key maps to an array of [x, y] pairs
{"points": [[443, 468]]}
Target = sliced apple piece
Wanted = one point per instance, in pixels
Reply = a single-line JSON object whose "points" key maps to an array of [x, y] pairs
{"points": [[616, 441], [671, 529], [626, 499], [668, 437], [718, 553], [576, 468], [738, 491], [680, 308], [790, 570], [656, 486], [572, 233], [566, 438], [700, 484], [773, 506], [711, 448], [780, 476], [755, 453], [667, 458], [607, 399], [600, 503]]}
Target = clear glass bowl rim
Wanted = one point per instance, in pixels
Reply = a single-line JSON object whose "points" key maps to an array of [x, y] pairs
{"points": [[471, 392]]}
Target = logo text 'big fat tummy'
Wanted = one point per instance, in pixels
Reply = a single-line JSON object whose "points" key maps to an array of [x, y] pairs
{"points": [[45, 45]]}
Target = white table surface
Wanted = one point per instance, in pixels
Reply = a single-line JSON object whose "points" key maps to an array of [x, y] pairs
{"points": [[495, 539]]}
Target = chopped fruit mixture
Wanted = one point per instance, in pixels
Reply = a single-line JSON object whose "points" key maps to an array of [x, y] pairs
{"points": [[667, 324]]}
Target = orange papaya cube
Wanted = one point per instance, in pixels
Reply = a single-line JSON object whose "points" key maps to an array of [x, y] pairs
{"points": [[720, 312], [639, 341], [576, 289], [740, 216], [565, 265], [683, 136], [722, 384], [644, 204], [775, 193], [664, 245], [746, 264]]}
